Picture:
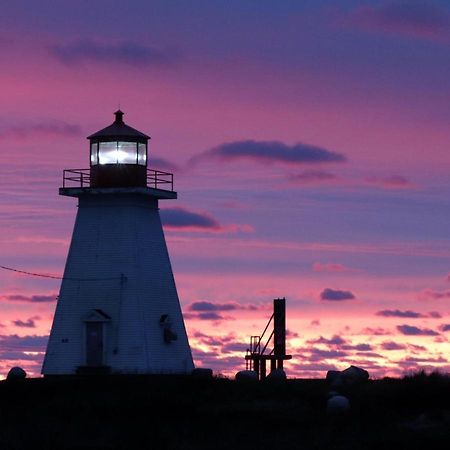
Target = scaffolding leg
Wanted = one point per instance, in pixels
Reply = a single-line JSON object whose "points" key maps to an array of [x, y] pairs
{"points": [[273, 365], [256, 366], [263, 369]]}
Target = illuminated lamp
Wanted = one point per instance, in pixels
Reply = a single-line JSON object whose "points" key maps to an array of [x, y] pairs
{"points": [[118, 155]]}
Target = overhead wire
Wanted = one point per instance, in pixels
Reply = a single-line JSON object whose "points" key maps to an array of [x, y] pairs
{"points": [[43, 275]]}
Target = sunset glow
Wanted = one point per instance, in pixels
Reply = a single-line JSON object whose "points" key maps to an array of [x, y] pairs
{"points": [[310, 148]]}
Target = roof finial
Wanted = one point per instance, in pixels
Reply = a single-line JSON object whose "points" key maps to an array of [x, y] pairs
{"points": [[119, 116]]}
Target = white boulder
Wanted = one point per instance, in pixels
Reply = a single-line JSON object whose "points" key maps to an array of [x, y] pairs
{"points": [[277, 375], [348, 377], [246, 375], [338, 404]]}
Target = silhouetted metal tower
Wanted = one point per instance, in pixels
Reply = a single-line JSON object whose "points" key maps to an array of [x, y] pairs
{"points": [[256, 357]]}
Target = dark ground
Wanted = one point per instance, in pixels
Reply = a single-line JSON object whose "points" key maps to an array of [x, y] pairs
{"points": [[134, 412]]}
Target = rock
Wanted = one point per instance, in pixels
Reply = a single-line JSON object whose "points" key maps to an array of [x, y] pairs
{"points": [[348, 377], [277, 375], [333, 375], [354, 375], [202, 373], [337, 404], [246, 375], [16, 373]]}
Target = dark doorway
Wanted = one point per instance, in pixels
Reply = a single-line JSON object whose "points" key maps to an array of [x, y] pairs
{"points": [[94, 344]]}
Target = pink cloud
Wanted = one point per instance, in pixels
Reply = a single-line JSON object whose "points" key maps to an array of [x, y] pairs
{"points": [[312, 177], [430, 294], [370, 331], [392, 182], [330, 267]]}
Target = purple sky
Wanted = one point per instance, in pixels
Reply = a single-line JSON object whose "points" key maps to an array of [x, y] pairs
{"points": [[310, 146]]}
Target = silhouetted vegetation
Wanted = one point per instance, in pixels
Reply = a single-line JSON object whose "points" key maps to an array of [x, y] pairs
{"points": [[171, 412]]}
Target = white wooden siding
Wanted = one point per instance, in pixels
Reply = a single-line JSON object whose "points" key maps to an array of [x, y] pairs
{"points": [[120, 237]]}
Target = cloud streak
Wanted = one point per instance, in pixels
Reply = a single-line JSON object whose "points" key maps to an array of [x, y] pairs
{"points": [[334, 340], [36, 130], [208, 315], [312, 177], [184, 220], [180, 218], [391, 182], [410, 330], [429, 294], [409, 18], [29, 323], [29, 298], [336, 295], [391, 345], [23, 343], [125, 52], [228, 306], [162, 164], [270, 152], [407, 314], [330, 267]]}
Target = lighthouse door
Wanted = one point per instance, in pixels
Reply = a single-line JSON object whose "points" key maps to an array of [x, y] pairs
{"points": [[94, 344]]}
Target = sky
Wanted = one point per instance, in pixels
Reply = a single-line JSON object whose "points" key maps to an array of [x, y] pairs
{"points": [[309, 143]]}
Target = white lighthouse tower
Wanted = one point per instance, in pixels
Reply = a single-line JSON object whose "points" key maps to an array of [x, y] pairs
{"points": [[118, 309]]}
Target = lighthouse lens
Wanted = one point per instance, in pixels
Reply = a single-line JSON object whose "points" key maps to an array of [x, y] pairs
{"points": [[107, 153], [126, 152], [94, 154], [118, 153], [142, 154]]}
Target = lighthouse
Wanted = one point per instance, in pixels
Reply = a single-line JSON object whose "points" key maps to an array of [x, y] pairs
{"points": [[118, 309]]}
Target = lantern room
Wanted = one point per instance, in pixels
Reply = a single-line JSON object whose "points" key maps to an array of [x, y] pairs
{"points": [[118, 155]]}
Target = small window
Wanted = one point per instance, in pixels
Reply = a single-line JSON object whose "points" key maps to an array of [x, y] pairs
{"points": [[94, 154], [163, 319], [142, 154], [107, 153], [126, 153]]}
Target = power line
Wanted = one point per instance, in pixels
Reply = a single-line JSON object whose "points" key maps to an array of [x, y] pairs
{"points": [[42, 275]]}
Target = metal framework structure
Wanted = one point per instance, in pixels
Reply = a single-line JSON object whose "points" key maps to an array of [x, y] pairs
{"points": [[256, 357], [81, 178]]}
